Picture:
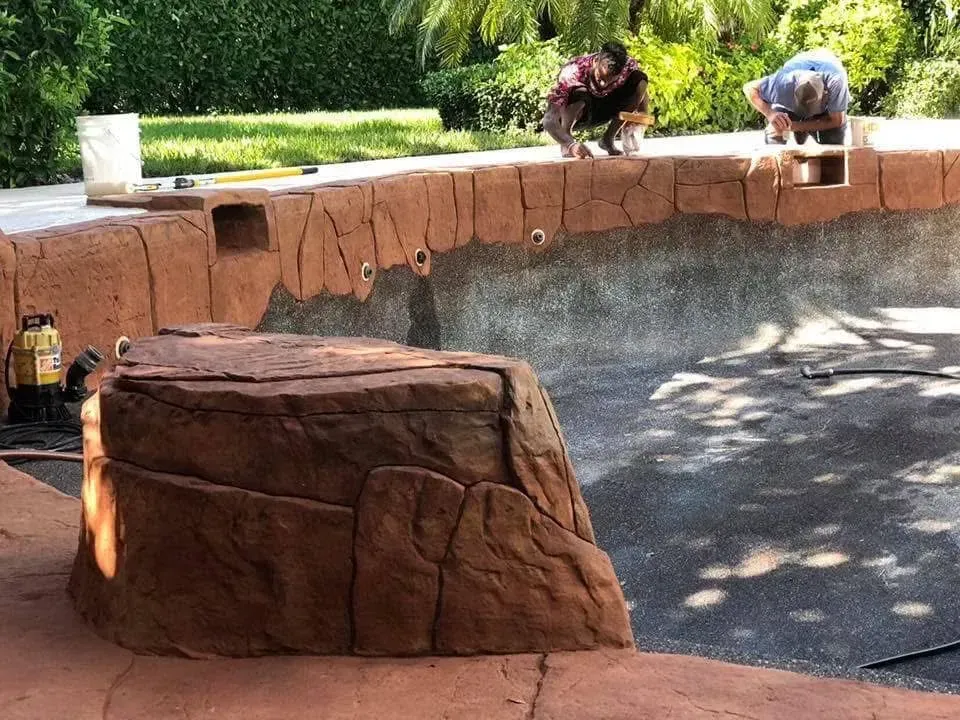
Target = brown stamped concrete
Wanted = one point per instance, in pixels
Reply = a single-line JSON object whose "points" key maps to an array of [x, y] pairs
{"points": [[52, 666]]}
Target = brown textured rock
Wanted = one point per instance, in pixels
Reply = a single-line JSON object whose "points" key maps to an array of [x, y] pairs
{"points": [[463, 196], [578, 183], [595, 216], [536, 451], [405, 197], [357, 249], [800, 206], [93, 278], [547, 219], [292, 213], [405, 519], [544, 576], [711, 170], [241, 285], [310, 259], [542, 185], [498, 216], [724, 198], [232, 573], [951, 178], [645, 206], [177, 262], [389, 250], [612, 178], [762, 189], [366, 190], [442, 225], [345, 206], [659, 177], [863, 166], [336, 279], [394, 432], [911, 180]]}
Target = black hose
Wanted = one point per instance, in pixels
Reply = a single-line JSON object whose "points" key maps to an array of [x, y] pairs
{"points": [[812, 374], [926, 652]]}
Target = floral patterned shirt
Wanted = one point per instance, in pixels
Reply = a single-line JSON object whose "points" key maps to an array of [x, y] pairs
{"points": [[578, 75]]}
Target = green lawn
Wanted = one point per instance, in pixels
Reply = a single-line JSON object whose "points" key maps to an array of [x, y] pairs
{"points": [[190, 145]]}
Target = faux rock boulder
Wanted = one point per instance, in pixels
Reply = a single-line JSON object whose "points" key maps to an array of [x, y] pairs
{"points": [[252, 494]]}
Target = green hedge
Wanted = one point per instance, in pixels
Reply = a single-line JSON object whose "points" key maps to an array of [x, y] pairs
{"points": [[692, 88], [927, 88], [49, 51], [255, 56]]}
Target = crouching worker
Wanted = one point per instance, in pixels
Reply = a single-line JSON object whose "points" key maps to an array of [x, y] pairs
{"points": [[809, 95], [593, 90]]}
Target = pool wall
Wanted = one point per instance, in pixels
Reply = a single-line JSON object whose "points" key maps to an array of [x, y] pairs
{"points": [[218, 255]]}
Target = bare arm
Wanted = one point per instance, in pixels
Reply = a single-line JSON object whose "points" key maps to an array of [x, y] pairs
{"points": [[752, 91], [833, 120], [778, 120]]}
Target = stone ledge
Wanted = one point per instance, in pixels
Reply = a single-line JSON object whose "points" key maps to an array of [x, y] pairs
{"points": [[336, 238]]}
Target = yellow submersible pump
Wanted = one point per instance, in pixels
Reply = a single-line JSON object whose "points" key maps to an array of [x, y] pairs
{"points": [[38, 395]]}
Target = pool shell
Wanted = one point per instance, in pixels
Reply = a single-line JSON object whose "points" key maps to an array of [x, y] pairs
{"points": [[217, 255], [223, 256]]}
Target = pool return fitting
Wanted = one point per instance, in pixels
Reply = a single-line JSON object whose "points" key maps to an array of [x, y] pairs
{"points": [[538, 237]]}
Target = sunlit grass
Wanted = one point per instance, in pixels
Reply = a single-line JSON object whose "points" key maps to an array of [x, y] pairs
{"points": [[191, 145]]}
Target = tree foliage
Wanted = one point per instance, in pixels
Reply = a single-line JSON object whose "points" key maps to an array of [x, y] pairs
{"points": [[447, 27], [50, 50]]}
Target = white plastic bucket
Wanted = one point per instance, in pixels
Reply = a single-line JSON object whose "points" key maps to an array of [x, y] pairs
{"points": [[109, 151], [863, 129]]}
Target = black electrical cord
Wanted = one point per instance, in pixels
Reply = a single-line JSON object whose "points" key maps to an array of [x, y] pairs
{"points": [[812, 374], [6, 371], [925, 652]]}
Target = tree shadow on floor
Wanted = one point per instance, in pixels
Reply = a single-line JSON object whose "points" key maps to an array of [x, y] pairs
{"points": [[746, 507]]}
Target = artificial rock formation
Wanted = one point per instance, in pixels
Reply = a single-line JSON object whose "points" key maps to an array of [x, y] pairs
{"points": [[254, 494]]}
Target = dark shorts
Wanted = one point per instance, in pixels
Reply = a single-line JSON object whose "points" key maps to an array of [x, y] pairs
{"points": [[834, 136], [601, 110]]}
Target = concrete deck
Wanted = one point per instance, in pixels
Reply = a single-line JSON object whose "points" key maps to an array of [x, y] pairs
{"points": [[27, 209], [55, 667]]}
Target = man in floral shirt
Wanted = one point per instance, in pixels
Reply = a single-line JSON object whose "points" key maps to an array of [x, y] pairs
{"points": [[592, 90]]}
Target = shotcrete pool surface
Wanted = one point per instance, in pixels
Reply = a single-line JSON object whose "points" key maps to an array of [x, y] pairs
{"points": [[750, 513]]}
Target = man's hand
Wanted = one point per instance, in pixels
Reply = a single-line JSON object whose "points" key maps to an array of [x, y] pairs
{"points": [[779, 121]]}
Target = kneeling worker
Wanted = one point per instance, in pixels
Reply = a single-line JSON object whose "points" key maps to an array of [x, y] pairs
{"points": [[592, 90], [809, 95]]}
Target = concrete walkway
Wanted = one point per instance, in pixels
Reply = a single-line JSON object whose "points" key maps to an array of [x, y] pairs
{"points": [[28, 209], [52, 666]]}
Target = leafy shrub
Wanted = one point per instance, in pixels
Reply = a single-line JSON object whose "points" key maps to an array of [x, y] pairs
{"points": [[728, 70], [455, 94], [49, 51], [255, 56], [679, 96], [927, 88], [871, 37], [515, 97]]}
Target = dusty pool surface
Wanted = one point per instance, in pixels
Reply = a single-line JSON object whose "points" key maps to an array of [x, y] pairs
{"points": [[748, 511]]}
